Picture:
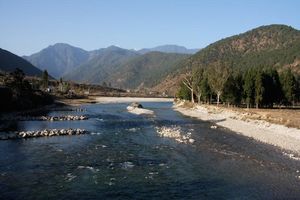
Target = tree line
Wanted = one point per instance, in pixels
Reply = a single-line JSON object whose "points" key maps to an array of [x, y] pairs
{"points": [[256, 87], [18, 93]]}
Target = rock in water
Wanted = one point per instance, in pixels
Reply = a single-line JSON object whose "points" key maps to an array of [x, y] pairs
{"points": [[136, 105], [138, 109], [43, 133]]}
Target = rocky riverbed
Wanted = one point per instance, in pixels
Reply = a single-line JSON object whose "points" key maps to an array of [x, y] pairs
{"points": [[176, 133], [45, 118], [42, 133]]}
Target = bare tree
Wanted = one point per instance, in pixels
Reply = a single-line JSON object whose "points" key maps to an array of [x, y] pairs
{"points": [[197, 78], [188, 82], [218, 75]]}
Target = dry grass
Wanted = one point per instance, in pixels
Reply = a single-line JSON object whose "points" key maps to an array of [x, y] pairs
{"points": [[286, 117]]}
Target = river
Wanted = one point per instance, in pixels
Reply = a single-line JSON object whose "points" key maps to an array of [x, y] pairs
{"points": [[125, 158]]}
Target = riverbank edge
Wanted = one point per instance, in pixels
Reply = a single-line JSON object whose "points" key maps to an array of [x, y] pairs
{"points": [[274, 134], [102, 99]]}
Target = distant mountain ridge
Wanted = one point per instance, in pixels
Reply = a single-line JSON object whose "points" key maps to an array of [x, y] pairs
{"points": [[58, 59], [126, 69], [169, 49], [9, 62], [62, 59]]}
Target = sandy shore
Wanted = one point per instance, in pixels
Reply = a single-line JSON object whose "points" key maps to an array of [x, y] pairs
{"points": [[274, 134], [130, 99]]}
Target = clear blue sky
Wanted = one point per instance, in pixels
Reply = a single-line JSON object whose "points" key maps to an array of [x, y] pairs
{"points": [[27, 26]]}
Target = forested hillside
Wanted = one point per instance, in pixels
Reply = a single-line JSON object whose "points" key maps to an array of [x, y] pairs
{"points": [[276, 46], [260, 67]]}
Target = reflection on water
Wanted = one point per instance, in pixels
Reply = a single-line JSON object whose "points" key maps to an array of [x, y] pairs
{"points": [[125, 158]]}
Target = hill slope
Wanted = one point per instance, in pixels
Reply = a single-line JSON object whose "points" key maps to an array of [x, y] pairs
{"points": [[276, 46], [146, 70], [103, 63], [272, 46], [9, 62], [58, 59]]}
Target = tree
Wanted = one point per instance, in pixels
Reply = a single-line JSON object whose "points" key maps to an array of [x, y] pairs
{"points": [[16, 81], [259, 88], [104, 84], [184, 92], [218, 74], [198, 76], [205, 89], [188, 82], [233, 90], [289, 86], [45, 79], [273, 91], [249, 87]]}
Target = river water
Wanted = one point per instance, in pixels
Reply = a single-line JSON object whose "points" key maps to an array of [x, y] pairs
{"points": [[125, 158]]}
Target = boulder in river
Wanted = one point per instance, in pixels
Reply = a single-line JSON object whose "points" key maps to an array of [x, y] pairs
{"points": [[138, 109], [136, 105]]}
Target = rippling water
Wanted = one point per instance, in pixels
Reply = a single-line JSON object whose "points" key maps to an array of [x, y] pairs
{"points": [[124, 158]]}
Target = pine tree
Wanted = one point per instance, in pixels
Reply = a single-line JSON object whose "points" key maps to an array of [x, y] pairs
{"points": [[259, 88], [205, 89], [183, 92], [249, 87], [45, 79], [233, 90], [289, 87], [273, 91]]}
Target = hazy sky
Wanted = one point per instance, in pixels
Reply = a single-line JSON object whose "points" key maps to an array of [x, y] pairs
{"points": [[27, 26]]}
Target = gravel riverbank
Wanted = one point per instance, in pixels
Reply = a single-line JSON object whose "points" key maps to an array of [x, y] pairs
{"points": [[274, 134]]}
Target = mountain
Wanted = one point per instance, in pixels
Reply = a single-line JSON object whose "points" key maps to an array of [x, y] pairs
{"points": [[169, 49], [58, 59], [103, 63], [275, 46], [146, 70], [9, 62], [62, 60], [126, 69]]}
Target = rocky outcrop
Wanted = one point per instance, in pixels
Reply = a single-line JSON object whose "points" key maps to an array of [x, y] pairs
{"points": [[43, 133], [46, 118]]}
